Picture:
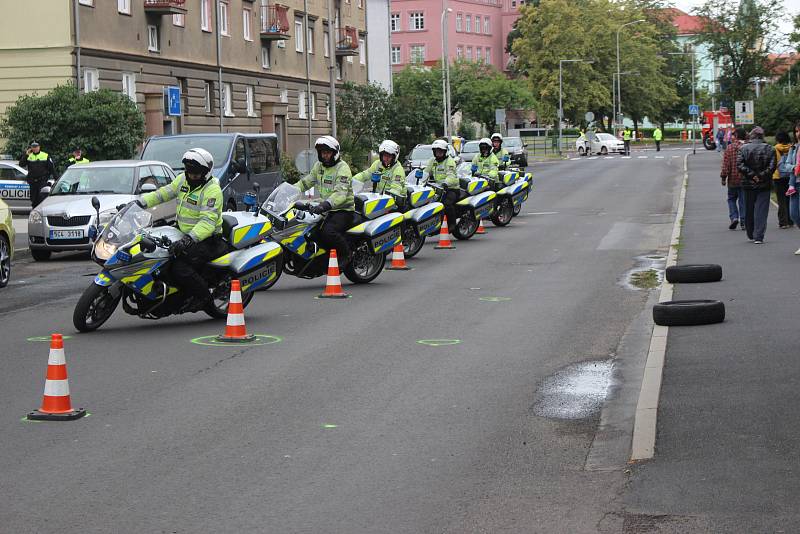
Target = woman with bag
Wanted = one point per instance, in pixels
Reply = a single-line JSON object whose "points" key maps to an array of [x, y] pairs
{"points": [[780, 178]]}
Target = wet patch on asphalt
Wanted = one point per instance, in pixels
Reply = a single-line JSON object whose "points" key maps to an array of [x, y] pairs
{"points": [[576, 391], [647, 274]]}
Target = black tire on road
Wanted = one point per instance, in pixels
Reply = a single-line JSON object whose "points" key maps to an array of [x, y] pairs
{"points": [[688, 312], [220, 310], [604, 151], [465, 227], [5, 260], [693, 274], [365, 266], [517, 209], [40, 255], [412, 241], [94, 307], [708, 143], [503, 212]]}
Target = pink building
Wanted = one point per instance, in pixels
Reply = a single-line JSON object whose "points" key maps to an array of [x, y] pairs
{"points": [[477, 31]]}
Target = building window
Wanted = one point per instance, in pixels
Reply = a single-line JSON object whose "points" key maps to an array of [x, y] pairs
{"points": [[417, 21], [395, 55], [129, 85], [310, 39], [224, 28], [459, 52], [91, 80], [265, 57], [208, 95], [469, 53], [152, 38], [313, 106], [298, 35], [338, 70], [124, 6], [326, 44], [205, 15], [486, 27], [477, 24], [478, 53], [179, 20], [227, 99], [301, 105], [458, 22], [488, 55], [251, 101], [247, 16], [394, 22], [468, 24], [284, 96], [362, 52], [417, 53]]}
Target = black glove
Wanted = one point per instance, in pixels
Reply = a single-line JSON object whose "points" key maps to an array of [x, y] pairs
{"points": [[135, 201], [302, 206], [180, 246], [321, 208]]}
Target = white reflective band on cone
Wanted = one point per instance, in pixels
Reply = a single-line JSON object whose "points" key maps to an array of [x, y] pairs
{"points": [[235, 319], [56, 357], [236, 297], [56, 388], [333, 281]]}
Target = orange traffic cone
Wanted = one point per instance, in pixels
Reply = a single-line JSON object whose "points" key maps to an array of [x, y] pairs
{"points": [[333, 285], [398, 259], [56, 404], [235, 329], [444, 236], [481, 228]]}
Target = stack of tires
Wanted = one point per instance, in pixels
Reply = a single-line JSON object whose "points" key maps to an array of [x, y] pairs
{"points": [[690, 312]]}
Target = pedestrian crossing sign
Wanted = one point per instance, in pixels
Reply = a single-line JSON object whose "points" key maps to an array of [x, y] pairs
{"points": [[694, 109]]}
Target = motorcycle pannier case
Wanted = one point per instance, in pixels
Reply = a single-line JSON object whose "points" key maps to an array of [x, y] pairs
{"points": [[426, 220], [419, 195], [244, 229], [254, 266], [382, 233], [481, 204], [374, 205]]}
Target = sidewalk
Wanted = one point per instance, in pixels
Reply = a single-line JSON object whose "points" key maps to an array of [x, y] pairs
{"points": [[728, 440]]}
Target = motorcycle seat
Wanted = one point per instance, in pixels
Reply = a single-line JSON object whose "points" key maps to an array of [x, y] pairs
{"points": [[228, 223]]}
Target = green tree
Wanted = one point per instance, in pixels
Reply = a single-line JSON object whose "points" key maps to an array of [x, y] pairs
{"points": [[738, 36], [106, 124], [363, 115], [777, 110]]}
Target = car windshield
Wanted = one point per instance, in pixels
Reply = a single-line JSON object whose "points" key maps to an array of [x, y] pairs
{"points": [[281, 199], [422, 152], [471, 146], [126, 225], [512, 142], [606, 137], [82, 180], [171, 149]]}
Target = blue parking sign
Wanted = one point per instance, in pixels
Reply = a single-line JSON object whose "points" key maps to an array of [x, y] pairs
{"points": [[694, 109], [174, 101]]}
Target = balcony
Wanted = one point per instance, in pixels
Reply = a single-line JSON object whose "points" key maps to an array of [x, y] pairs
{"points": [[274, 23], [165, 7], [347, 41]]}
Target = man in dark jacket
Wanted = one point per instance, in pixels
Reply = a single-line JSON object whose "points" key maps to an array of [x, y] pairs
{"points": [[756, 163], [40, 169]]}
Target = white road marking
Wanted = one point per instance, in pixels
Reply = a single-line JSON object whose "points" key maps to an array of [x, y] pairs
{"points": [[592, 157], [542, 213], [642, 157], [609, 157], [575, 159], [626, 157], [659, 157]]}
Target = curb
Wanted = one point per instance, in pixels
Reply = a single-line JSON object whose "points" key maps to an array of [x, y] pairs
{"points": [[644, 425]]}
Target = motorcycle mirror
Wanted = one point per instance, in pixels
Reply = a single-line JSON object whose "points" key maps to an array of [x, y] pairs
{"points": [[147, 244], [45, 191], [96, 203], [256, 187]]}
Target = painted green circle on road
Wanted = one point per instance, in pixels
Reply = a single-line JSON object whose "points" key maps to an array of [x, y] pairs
{"points": [[328, 425], [42, 339], [438, 342], [260, 339], [495, 299]]}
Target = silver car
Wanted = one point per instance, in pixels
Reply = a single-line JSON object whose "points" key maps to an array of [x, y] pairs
{"points": [[422, 154], [63, 220]]}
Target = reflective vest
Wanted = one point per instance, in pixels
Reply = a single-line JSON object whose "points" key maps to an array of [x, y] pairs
{"points": [[487, 166], [333, 184], [73, 161], [500, 154], [393, 179], [199, 210], [626, 135], [657, 135], [39, 165], [443, 172]]}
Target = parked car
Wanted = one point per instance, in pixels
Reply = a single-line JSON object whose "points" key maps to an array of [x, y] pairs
{"points": [[239, 160], [14, 188], [63, 220], [468, 150], [421, 154], [6, 243], [601, 143], [517, 151]]}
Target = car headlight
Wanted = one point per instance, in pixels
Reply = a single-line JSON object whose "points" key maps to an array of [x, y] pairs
{"points": [[106, 216], [35, 217]]}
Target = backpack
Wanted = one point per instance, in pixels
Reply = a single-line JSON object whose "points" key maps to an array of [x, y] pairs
{"points": [[787, 163]]}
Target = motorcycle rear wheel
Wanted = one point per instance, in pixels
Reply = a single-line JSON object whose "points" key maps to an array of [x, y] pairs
{"points": [[503, 213], [517, 209], [412, 242], [364, 267], [94, 308], [466, 226]]}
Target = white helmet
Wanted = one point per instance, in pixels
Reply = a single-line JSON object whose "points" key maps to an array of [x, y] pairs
{"points": [[485, 141], [198, 160], [440, 144], [329, 142], [391, 148], [497, 136]]}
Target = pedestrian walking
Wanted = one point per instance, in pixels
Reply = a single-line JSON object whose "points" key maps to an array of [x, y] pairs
{"points": [[756, 163], [729, 136], [780, 178], [626, 138], [720, 136], [657, 135], [40, 169], [733, 180]]}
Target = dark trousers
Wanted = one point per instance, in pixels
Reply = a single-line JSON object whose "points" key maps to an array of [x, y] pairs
{"points": [[658, 146], [781, 185], [331, 233], [736, 204], [756, 210], [185, 268], [627, 147], [449, 200], [36, 187]]}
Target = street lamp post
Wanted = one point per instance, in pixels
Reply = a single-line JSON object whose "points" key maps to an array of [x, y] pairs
{"points": [[445, 72], [619, 84], [560, 97]]}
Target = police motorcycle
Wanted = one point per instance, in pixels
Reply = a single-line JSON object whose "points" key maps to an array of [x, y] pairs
{"points": [[511, 191], [519, 175], [377, 231], [136, 262]]}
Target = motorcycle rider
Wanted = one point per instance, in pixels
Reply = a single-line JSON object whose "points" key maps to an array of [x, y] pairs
{"points": [[331, 177], [485, 160], [392, 177], [441, 169], [199, 216], [502, 155]]}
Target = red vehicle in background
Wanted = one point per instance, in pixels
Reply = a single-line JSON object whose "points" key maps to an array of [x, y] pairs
{"points": [[712, 121]]}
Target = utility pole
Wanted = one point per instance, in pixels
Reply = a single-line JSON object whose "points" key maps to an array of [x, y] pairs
{"points": [[219, 68], [308, 78], [332, 29]]}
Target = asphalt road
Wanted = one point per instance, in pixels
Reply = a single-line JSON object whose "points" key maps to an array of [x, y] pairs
{"points": [[348, 424]]}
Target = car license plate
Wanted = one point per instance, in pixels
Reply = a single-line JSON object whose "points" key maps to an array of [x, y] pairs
{"points": [[66, 234]]}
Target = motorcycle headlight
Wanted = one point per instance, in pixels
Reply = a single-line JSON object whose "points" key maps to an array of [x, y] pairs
{"points": [[35, 217], [104, 250], [106, 216]]}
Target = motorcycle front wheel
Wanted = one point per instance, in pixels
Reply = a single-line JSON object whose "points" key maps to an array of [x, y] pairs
{"points": [[94, 307], [503, 212], [412, 242], [218, 309], [365, 266], [517, 209], [466, 227]]}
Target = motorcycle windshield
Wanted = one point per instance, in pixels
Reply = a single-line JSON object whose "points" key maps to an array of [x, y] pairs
{"points": [[464, 170], [126, 225], [357, 186], [281, 199]]}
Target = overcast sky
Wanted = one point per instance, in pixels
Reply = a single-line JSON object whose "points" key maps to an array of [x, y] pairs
{"points": [[792, 8]]}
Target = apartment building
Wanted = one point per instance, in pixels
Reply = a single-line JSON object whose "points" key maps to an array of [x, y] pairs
{"points": [[143, 47], [476, 31]]}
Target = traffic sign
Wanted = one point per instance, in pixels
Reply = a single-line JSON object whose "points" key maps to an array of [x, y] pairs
{"points": [[694, 109], [589, 116], [174, 101], [744, 112]]}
